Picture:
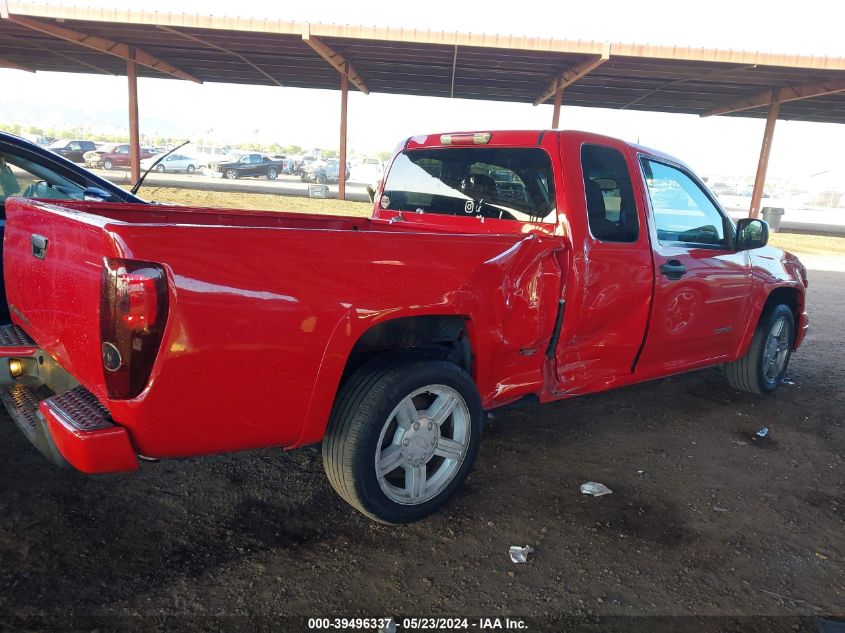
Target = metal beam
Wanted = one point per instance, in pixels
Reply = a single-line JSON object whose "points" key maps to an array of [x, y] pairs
{"points": [[787, 93], [5, 63], [765, 150], [199, 40], [570, 76], [454, 67], [102, 44], [337, 61]]}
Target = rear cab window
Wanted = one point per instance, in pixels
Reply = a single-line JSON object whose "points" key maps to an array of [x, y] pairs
{"points": [[507, 183], [609, 195]]}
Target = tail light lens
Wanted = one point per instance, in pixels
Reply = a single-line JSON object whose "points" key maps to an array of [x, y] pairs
{"points": [[133, 311]]}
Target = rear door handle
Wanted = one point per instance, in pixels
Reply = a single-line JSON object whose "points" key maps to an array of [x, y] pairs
{"points": [[673, 269]]}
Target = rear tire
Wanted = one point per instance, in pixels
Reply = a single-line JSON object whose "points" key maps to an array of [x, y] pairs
{"points": [[191, 169], [403, 435], [272, 173], [762, 368]]}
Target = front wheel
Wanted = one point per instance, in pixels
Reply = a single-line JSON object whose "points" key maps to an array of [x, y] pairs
{"points": [[160, 168], [231, 174], [762, 368], [107, 164], [403, 436]]}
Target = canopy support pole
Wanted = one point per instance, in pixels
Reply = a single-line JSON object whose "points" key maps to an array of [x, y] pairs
{"points": [[134, 137], [558, 101], [341, 177], [763, 163]]}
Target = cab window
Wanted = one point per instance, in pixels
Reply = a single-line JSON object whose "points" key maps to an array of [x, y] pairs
{"points": [[507, 183], [683, 212], [611, 208]]}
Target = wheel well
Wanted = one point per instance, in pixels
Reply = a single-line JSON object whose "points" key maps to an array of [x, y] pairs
{"points": [[786, 296], [443, 337]]}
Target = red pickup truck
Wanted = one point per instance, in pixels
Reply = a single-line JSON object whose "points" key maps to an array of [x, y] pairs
{"points": [[497, 268]]}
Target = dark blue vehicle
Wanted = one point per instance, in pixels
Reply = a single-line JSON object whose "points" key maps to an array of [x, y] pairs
{"points": [[31, 171]]}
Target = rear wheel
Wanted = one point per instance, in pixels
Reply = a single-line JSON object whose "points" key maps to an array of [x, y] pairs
{"points": [[402, 438], [272, 172], [762, 368], [191, 169]]}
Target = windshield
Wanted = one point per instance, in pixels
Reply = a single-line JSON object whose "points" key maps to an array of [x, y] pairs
{"points": [[507, 183]]}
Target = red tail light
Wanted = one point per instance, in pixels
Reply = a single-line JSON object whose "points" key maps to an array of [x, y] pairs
{"points": [[133, 311]]}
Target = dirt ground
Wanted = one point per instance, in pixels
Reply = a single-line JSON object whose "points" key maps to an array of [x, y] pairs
{"points": [[704, 519]]}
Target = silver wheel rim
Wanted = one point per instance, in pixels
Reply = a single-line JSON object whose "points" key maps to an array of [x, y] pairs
{"points": [[776, 350], [422, 444]]}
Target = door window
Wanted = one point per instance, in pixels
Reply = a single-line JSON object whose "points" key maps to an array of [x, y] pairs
{"points": [[683, 212], [611, 208]]}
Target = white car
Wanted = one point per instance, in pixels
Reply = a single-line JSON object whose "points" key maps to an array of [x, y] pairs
{"points": [[174, 162]]}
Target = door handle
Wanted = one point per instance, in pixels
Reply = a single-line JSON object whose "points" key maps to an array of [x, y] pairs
{"points": [[673, 269], [39, 245]]}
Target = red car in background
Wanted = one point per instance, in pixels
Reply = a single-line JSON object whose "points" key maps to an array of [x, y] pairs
{"points": [[113, 156]]}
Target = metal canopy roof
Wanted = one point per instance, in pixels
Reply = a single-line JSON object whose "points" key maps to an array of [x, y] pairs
{"points": [[427, 63]]}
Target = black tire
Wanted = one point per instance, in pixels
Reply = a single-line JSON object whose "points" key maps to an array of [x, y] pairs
{"points": [[272, 173], [321, 179], [190, 169], [360, 412], [107, 164], [231, 174], [160, 168], [749, 373]]}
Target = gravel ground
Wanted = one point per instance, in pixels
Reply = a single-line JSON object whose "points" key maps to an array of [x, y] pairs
{"points": [[704, 519]]}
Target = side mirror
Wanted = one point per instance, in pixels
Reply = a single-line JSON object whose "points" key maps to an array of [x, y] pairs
{"points": [[95, 194], [751, 233]]}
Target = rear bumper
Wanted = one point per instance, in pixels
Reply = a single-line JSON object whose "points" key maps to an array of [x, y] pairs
{"points": [[71, 428]]}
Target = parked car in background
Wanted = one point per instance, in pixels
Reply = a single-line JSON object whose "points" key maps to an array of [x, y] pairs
{"points": [[248, 165], [323, 171], [206, 155], [172, 162], [74, 151], [118, 156], [367, 169], [91, 158], [29, 170]]}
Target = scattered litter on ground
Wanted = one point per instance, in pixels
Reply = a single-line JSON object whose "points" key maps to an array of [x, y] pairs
{"points": [[787, 381], [718, 509], [821, 556], [594, 488], [739, 443], [520, 554], [762, 432]]}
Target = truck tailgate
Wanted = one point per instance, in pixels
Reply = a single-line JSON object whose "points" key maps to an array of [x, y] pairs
{"points": [[53, 266]]}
